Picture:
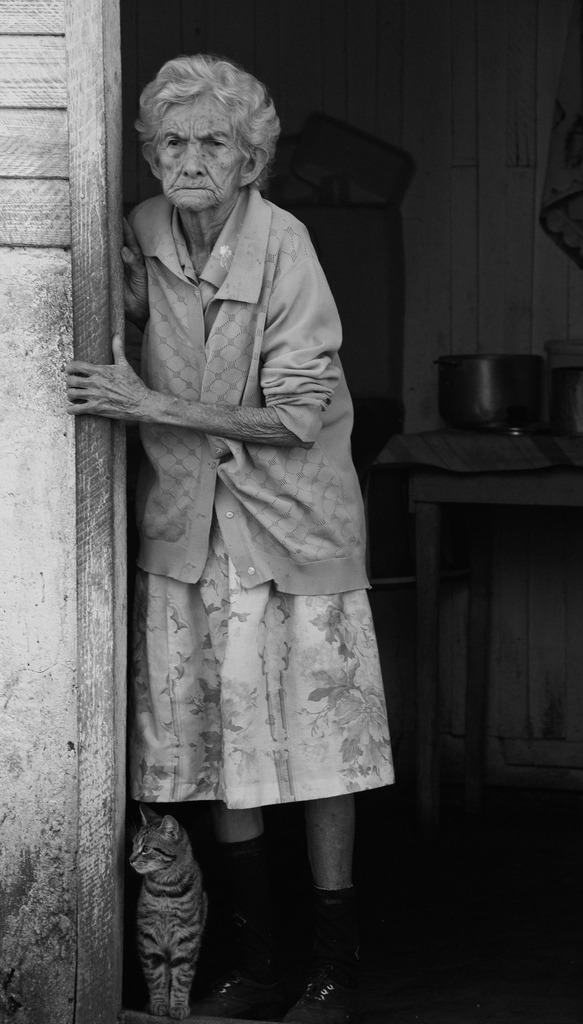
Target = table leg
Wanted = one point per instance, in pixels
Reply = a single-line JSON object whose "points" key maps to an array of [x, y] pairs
{"points": [[427, 541], [478, 648]]}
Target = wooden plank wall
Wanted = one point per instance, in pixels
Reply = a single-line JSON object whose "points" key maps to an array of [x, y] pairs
{"points": [[467, 87], [34, 190]]}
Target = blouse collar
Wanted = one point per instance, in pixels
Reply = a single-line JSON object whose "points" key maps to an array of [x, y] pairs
{"points": [[236, 263]]}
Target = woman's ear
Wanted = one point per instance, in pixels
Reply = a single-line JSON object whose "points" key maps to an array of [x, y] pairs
{"points": [[150, 152], [252, 167]]}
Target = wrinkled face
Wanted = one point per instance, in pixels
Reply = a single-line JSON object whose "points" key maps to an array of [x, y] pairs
{"points": [[196, 160]]}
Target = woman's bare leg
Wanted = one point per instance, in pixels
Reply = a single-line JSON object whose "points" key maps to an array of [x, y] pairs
{"points": [[233, 826]]}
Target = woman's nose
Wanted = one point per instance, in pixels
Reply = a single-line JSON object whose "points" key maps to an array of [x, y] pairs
{"points": [[193, 159]]}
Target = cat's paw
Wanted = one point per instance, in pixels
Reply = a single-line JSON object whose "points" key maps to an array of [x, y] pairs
{"points": [[158, 1008], [179, 1012]]}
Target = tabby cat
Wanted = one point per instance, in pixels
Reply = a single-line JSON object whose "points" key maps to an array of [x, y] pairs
{"points": [[172, 908]]}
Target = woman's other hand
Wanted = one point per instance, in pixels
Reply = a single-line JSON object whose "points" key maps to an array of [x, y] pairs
{"points": [[113, 390], [135, 290]]}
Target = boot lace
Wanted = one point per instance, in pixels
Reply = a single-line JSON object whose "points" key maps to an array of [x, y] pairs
{"points": [[319, 986]]}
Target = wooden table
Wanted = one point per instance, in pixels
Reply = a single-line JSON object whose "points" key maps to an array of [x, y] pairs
{"points": [[478, 470]]}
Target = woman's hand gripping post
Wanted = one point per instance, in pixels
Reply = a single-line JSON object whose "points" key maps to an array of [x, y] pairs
{"points": [[113, 390], [135, 279]]}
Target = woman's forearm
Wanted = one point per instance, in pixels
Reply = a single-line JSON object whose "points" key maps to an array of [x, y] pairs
{"points": [[238, 423], [116, 391]]}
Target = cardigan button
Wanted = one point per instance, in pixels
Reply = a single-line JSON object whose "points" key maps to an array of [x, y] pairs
{"points": [[229, 515], [251, 570]]}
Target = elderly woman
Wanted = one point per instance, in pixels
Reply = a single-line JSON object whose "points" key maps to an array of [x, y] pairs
{"points": [[256, 675]]}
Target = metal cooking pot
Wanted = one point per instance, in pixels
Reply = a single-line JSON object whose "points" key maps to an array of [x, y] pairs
{"points": [[495, 391]]}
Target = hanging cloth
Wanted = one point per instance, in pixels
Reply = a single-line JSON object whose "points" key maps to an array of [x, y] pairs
{"points": [[562, 197]]}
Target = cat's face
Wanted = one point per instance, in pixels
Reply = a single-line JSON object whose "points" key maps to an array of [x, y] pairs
{"points": [[156, 845]]}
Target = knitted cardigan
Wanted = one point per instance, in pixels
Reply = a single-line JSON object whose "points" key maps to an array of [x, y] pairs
{"points": [[292, 515]]}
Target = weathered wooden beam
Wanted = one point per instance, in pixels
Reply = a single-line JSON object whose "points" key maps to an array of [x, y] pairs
{"points": [[34, 212], [33, 71], [94, 102], [34, 144], [43, 17]]}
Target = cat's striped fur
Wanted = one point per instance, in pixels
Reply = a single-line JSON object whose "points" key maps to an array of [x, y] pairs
{"points": [[172, 908]]}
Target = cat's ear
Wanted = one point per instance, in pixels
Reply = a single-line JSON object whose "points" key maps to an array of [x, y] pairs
{"points": [[148, 815], [170, 826]]}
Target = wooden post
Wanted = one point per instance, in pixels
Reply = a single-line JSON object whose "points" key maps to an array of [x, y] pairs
{"points": [[478, 656], [427, 538], [94, 106]]}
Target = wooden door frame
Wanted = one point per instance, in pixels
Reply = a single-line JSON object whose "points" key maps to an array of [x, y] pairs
{"points": [[92, 37]]}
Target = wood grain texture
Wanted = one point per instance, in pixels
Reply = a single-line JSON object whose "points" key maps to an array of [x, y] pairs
{"points": [[34, 144], [131, 151], [464, 266], [544, 753], [34, 212], [95, 157], [574, 302], [32, 71], [547, 598], [519, 250], [193, 27], [453, 656], [477, 691], [492, 48], [509, 651], [427, 530], [361, 64], [267, 60], [389, 72], [230, 31], [334, 44], [43, 17], [300, 79], [521, 82], [426, 211], [464, 108], [550, 266], [158, 40], [574, 634]]}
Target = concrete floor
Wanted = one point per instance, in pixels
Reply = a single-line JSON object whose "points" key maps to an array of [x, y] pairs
{"points": [[482, 926]]}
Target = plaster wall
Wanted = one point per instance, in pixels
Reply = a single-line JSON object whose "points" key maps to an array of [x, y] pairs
{"points": [[38, 704]]}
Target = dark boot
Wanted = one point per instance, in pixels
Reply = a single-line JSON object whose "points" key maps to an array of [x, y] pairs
{"points": [[330, 995], [253, 987]]}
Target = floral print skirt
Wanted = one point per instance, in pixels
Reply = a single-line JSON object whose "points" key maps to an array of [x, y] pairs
{"points": [[253, 696]]}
